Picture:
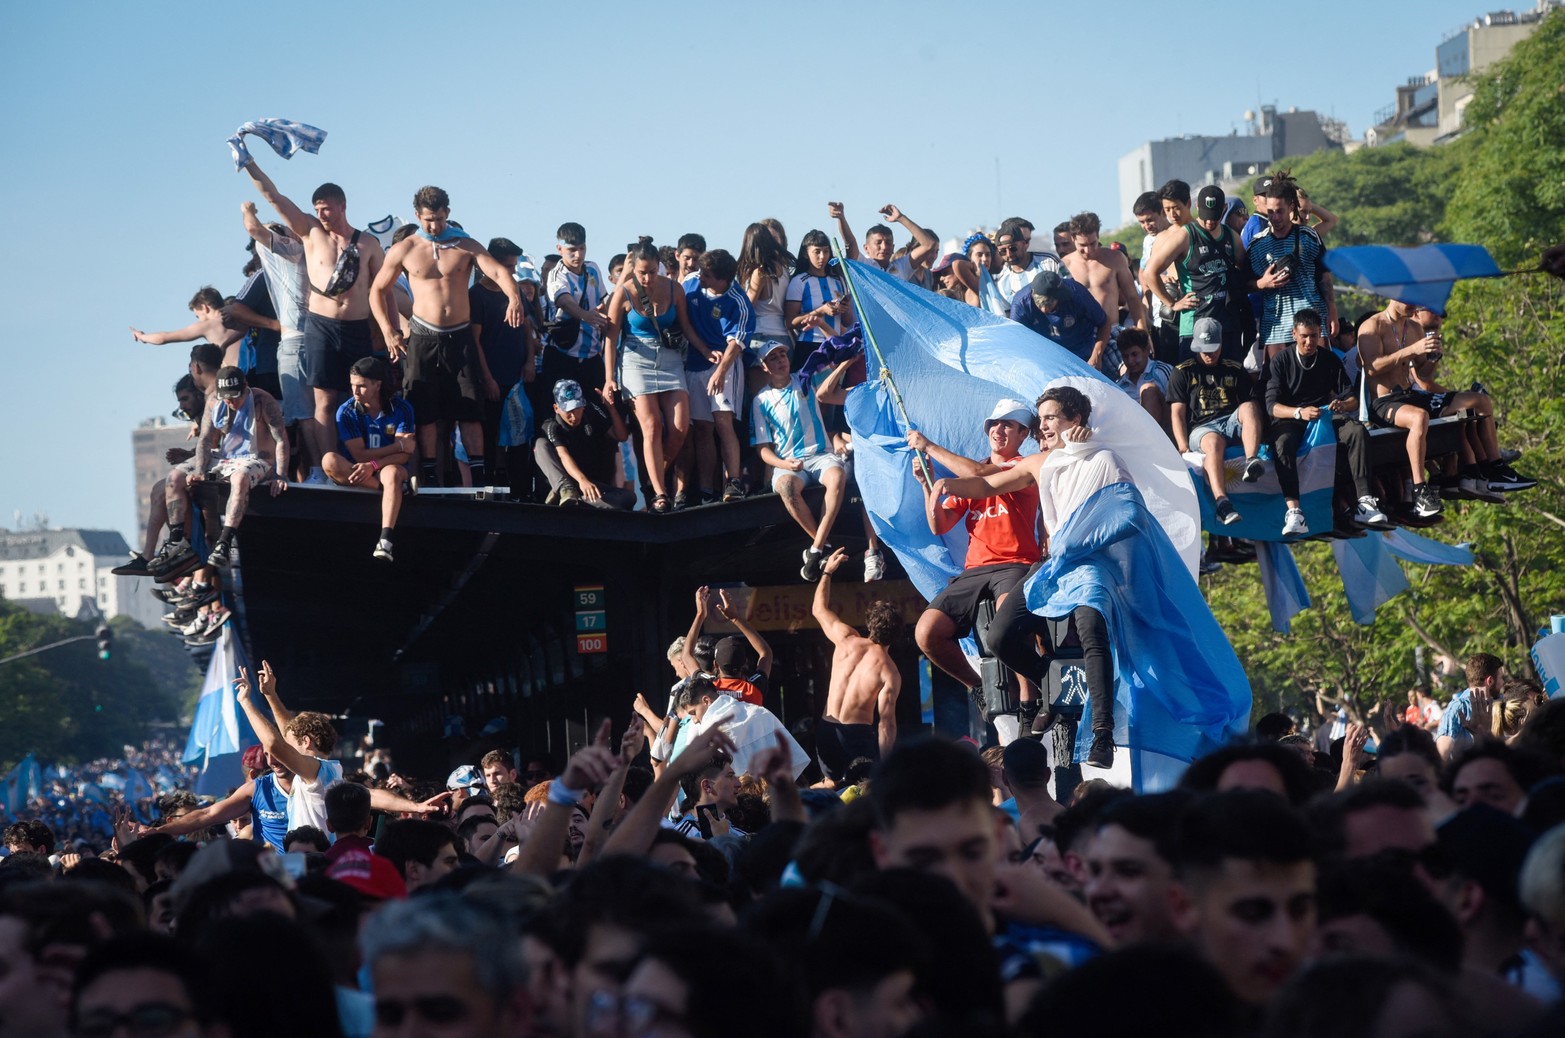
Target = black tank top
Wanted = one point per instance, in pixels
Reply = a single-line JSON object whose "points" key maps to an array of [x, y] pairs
{"points": [[1211, 263]]}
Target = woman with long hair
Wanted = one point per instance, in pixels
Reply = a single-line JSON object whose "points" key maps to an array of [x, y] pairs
{"points": [[816, 305], [764, 270], [640, 357]]}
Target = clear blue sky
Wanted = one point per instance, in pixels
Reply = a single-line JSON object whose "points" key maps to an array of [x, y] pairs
{"points": [[631, 119]]}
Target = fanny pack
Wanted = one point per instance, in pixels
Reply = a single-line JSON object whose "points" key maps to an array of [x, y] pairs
{"points": [[345, 273]]}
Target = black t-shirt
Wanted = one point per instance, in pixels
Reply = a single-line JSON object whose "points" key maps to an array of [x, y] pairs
{"points": [[590, 442], [1290, 383], [1210, 391], [256, 297], [505, 348]]}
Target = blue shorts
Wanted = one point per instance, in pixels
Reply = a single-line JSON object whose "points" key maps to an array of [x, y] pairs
{"points": [[1227, 427], [815, 466]]}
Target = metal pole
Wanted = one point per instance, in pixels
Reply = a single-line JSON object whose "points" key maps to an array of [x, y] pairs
{"points": [[51, 645]]}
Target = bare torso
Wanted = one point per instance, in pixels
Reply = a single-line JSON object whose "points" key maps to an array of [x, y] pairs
{"points": [[321, 250], [859, 668], [1101, 276], [438, 277], [1382, 336]]}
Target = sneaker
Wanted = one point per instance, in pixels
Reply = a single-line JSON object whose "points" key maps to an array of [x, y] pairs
{"points": [[179, 619], [1102, 753], [1479, 489], [1293, 524], [1368, 513], [1509, 455], [814, 559], [216, 619], [412, 486], [733, 490], [196, 625], [1253, 468], [172, 555], [136, 567], [1426, 501], [383, 550], [981, 701], [1503, 477], [681, 501], [170, 595], [553, 498], [204, 639], [1042, 721], [570, 495], [1227, 514], [221, 556], [874, 566], [317, 477]]}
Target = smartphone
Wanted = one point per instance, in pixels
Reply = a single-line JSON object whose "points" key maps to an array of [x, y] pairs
{"points": [[295, 864]]}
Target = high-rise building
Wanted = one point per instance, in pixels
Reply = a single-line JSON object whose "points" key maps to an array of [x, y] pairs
{"points": [[55, 571], [151, 441]]}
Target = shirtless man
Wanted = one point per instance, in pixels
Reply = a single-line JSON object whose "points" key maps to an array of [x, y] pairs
{"points": [[340, 262], [445, 374], [1399, 348], [207, 305], [1105, 272], [1069, 471], [863, 680]]}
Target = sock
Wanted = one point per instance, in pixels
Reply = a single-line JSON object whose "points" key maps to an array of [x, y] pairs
{"points": [[385, 533], [176, 531], [426, 471], [476, 467], [226, 538]]}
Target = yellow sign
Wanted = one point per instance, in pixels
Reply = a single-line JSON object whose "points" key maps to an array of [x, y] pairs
{"points": [[786, 607]]}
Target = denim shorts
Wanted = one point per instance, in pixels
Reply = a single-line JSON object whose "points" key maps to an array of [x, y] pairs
{"points": [[1227, 427]]}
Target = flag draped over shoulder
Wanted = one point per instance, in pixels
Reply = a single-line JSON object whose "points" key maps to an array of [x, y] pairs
{"points": [[1422, 276], [952, 364], [220, 732], [1179, 690]]}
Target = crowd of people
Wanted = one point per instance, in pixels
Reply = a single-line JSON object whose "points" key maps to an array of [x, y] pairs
{"points": [[668, 883]]}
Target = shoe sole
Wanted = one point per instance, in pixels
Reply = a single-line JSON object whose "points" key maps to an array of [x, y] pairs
{"points": [[174, 572], [384, 556], [1230, 518], [1510, 487]]}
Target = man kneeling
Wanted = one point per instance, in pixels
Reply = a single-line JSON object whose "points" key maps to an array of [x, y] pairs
{"points": [[375, 437]]}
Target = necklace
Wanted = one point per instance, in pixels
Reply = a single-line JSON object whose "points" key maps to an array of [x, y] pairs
{"points": [[1314, 360]]}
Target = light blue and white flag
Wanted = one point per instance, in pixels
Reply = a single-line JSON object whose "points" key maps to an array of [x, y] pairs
{"points": [[220, 732], [1371, 575], [1260, 504], [1286, 595], [1422, 276], [1412, 547], [285, 137]]}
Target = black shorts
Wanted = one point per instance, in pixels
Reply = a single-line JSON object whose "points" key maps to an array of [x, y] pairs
{"points": [[960, 598], [838, 745], [441, 378], [1384, 408], [330, 348]]}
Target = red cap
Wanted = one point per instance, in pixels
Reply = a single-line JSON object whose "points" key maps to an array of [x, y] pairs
{"points": [[369, 874]]}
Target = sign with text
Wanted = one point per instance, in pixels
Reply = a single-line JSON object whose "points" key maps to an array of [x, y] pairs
{"points": [[591, 622], [786, 607], [589, 596], [587, 644]]}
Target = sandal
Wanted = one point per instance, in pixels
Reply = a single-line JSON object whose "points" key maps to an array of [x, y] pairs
{"points": [[660, 504]]}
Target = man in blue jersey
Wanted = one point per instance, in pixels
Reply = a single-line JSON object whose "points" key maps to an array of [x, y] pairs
{"points": [[720, 315], [375, 433], [1067, 312], [787, 429], [264, 798]]}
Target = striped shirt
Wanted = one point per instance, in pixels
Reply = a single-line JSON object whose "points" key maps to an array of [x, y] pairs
{"points": [[1010, 281], [811, 292], [789, 419], [1302, 292], [589, 341]]}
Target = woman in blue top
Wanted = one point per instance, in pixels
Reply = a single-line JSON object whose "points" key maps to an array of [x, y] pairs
{"points": [[816, 305], [646, 305]]}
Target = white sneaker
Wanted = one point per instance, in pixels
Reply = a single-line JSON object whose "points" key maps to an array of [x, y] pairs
{"points": [[1293, 524], [1368, 513], [874, 566], [383, 550]]}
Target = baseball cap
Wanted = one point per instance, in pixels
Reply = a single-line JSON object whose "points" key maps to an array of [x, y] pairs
{"points": [[1010, 410], [1207, 336], [768, 346], [567, 395], [1262, 184], [944, 263], [369, 874], [1048, 285], [730, 652], [1210, 203], [230, 382], [465, 777]]}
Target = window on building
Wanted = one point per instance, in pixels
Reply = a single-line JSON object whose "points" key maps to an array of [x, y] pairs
{"points": [[21, 588], [81, 585], [59, 585]]}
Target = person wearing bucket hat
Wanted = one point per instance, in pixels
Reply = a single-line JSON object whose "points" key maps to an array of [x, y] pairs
{"points": [[1002, 542], [1211, 404]]}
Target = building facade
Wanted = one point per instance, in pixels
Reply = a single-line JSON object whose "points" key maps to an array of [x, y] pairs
{"points": [[56, 571], [151, 441]]}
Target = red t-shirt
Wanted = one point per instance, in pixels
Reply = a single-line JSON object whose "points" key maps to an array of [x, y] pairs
{"points": [[1002, 528], [741, 689]]}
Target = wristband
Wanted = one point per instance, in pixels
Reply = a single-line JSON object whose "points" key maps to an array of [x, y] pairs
{"points": [[374, 465], [558, 794]]}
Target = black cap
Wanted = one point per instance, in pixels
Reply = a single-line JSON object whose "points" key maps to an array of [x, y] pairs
{"points": [[730, 653], [1262, 184], [230, 382], [1210, 203], [1048, 285]]}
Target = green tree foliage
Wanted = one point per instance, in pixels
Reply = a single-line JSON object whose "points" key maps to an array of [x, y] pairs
{"points": [[1506, 183], [66, 703]]}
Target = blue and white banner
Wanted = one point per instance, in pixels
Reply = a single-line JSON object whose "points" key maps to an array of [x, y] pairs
{"points": [[1260, 504], [1286, 595], [1422, 276]]}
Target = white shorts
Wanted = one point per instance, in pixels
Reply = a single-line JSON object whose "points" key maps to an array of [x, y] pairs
{"points": [[727, 398], [256, 470], [815, 466]]}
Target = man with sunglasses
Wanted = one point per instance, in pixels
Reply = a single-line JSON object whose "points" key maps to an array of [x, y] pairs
{"points": [[1019, 264]]}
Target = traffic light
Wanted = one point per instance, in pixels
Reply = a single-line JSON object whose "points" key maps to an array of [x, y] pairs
{"points": [[105, 641]]}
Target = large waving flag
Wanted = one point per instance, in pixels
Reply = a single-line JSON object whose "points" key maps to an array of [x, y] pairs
{"points": [[952, 363], [1179, 690], [220, 731], [1422, 276], [1260, 504]]}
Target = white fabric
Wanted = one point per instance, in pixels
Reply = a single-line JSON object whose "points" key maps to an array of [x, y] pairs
{"points": [[1072, 474], [307, 800], [754, 730]]}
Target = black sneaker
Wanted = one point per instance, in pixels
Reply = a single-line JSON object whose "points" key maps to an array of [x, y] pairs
{"points": [[1227, 514], [1426, 501], [1253, 468], [681, 501], [1501, 477], [981, 701], [136, 567], [170, 555], [814, 560], [1102, 753], [221, 556], [733, 490]]}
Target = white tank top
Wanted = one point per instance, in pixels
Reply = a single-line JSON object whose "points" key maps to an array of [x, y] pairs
{"points": [[769, 323]]}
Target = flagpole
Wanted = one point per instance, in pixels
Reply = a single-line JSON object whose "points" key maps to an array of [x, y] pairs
{"points": [[880, 358]]}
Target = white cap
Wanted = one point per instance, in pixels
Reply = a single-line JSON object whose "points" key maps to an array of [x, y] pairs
{"points": [[1010, 410]]}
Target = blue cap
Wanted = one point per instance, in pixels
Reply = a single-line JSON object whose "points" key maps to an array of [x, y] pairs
{"points": [[567, 395], [465, 777]]}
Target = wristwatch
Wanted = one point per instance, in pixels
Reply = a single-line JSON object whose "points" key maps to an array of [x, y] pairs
{"points": [[1298, 413]]}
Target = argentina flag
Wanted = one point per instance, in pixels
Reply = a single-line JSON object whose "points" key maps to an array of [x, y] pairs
{"points": [[1421, 276], [1261, 504], [220, 731]]}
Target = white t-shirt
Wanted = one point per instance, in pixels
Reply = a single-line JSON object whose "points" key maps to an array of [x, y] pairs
{"points": [[307, 800], [1010, 281]]}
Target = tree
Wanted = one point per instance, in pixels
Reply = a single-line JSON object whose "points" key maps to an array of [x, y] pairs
{"points": [[1395, 195]]}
